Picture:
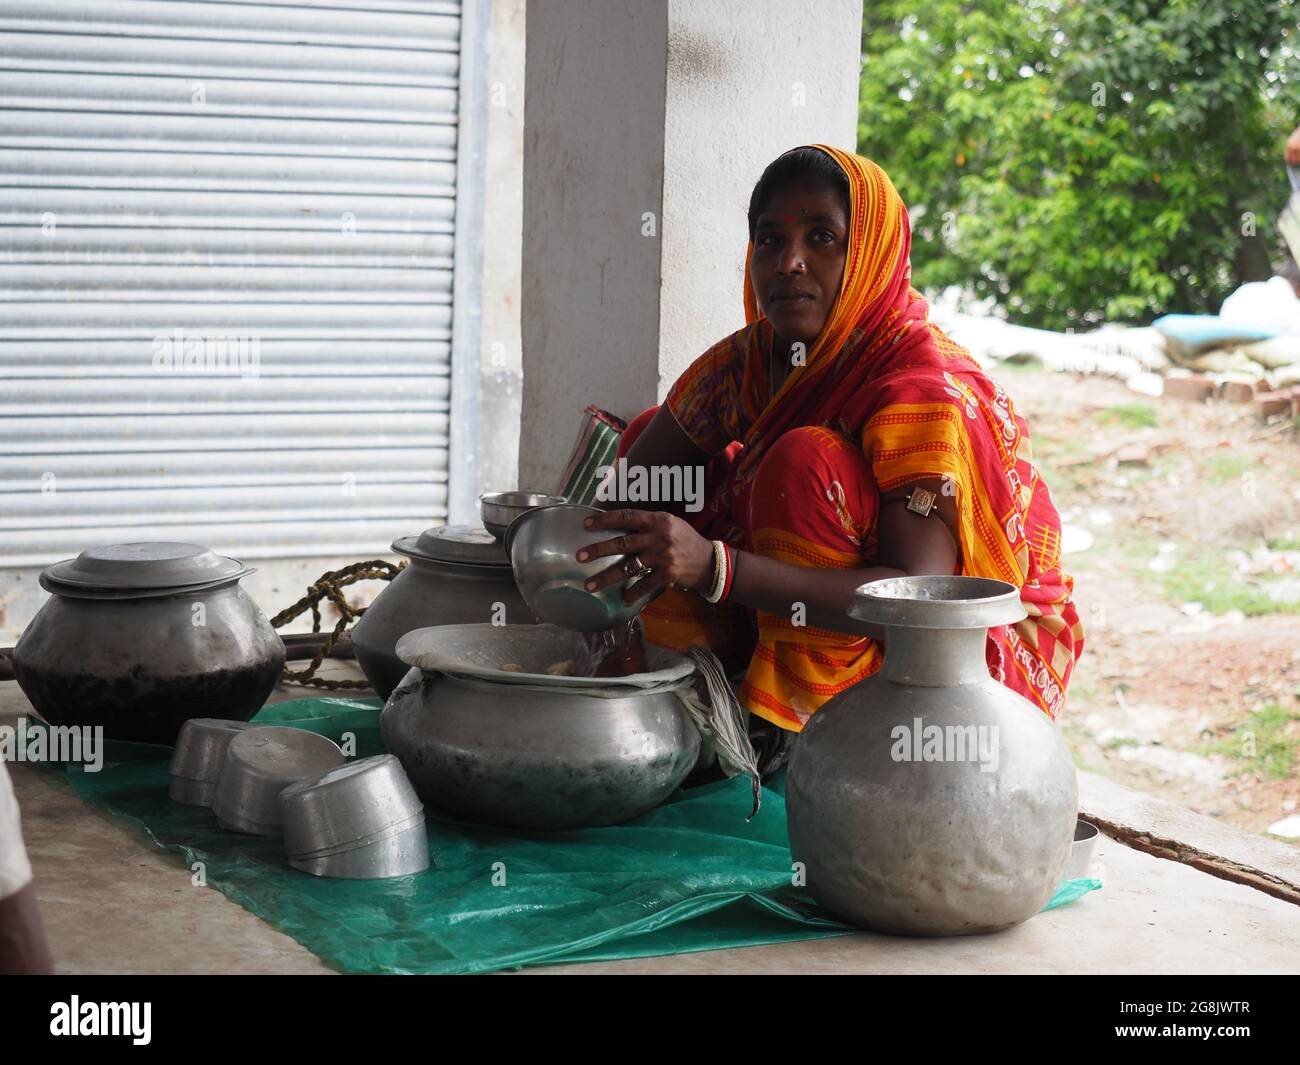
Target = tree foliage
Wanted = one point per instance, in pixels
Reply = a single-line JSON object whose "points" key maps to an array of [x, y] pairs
{"points": [[1080, 162]]}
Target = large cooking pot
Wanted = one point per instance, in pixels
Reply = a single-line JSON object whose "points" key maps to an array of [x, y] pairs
{"points": [[138, 638], [930, 799], [458, 573], [525, 749]]}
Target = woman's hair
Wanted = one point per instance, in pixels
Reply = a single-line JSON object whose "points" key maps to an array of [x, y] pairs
{"points": [[810, 167]]}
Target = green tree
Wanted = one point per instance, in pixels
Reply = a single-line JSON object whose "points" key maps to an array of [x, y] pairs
{"points": [[1081, 162]]}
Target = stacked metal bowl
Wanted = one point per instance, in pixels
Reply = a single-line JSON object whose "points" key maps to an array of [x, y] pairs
{"points": [[199, 757], [261, 763], [355, 820], [361, 821]]}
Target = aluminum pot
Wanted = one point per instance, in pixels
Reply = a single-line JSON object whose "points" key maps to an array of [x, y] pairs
{"points": [[138, 638], [458, 573], [526, 751], [930, 799]]}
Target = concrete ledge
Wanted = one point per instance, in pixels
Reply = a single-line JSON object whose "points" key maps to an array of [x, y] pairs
{"points": [[1170, 831]]}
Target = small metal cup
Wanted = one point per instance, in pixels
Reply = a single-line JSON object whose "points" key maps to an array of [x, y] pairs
{"points": [[499, 509], [200, 753], [261, 763]]}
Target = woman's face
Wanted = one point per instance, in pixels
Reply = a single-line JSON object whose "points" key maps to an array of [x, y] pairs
{"points": [[800, 242]]}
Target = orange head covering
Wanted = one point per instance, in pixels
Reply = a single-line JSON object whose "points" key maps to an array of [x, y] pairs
{"points": [[876, 307], [877, 268]]}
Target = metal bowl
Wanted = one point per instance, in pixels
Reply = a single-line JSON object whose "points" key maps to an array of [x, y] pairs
{"points": [[499, 509], [402, 852], [200, 753], [1081, 851], [543, 546], [260, 763], [347, 806]]}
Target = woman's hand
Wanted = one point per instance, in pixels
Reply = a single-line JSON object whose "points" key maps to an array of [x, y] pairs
{"points": [[675, 553]]}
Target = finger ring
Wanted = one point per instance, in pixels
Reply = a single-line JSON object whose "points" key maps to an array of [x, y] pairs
{"points": [[639, 568]]}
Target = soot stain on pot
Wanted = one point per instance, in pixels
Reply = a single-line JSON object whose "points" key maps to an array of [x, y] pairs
{"points": [[145, 709]]}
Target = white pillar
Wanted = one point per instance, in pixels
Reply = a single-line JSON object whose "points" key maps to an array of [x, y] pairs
{"points": [[502, 373], [647, 123]]}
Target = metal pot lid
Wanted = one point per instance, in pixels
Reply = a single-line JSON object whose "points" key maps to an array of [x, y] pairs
{"points": [[464, 544], [145, 566]]}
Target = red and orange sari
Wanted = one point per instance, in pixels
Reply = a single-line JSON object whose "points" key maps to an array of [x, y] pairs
{"points": [[910, 404]]}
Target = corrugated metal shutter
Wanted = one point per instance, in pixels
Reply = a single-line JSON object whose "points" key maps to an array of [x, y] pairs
{"points": [[283, 173]]}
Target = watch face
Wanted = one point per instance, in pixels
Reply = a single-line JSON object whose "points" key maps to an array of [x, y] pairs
{"points": [[921, 501]]}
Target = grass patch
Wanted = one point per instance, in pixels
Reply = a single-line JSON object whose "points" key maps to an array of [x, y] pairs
{"points": [[1200, 575], [1214, 583], [1130, 416], [1224, 466], [1268, 741], [1082, 691], [1284, 543], [1049, 450]]}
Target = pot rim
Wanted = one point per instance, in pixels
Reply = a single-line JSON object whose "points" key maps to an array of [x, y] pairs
{"points": [[88, 591], [674, 666], [409, 546], [598, 692], [458, 567], [938, 601]]}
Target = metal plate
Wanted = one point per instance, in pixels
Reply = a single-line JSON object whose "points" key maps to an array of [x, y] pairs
{"points": [[464, 544], [146, 566]]}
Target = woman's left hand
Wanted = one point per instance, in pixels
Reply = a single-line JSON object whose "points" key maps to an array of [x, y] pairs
{"points": [[673, 551]]}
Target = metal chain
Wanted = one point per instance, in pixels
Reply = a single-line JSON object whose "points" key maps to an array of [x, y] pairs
{"points": [[330, 586]]}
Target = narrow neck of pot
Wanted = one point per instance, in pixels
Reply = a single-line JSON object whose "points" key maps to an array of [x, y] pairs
{"points": [[935, 658]]}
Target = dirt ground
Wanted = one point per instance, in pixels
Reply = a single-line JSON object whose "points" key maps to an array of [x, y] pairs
{"points": [[1189, 685]]}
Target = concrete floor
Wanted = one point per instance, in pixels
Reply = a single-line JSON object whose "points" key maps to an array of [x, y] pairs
{"points": [[114, 904]]}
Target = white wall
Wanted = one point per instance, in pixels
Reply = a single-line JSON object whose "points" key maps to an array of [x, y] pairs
{"points": [[671, 107], [593, 166], [500, 389], [747, 80]]}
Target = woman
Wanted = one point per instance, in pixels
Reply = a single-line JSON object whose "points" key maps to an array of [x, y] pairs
{"points": [[847, 440]]}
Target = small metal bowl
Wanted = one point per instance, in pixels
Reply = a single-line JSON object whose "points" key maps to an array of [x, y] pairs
{"points": [[347, 806], [543, 546], [261, 763], [499, 509], [200, 753], [403, 852], [1081, 851]]}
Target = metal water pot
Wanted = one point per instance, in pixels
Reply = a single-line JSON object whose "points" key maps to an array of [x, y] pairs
{"points": [[930, 799], [529, 750], [138, 638], [458, 573]]}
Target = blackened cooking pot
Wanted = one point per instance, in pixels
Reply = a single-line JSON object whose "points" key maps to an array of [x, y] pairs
{"points": [[138, 638]]}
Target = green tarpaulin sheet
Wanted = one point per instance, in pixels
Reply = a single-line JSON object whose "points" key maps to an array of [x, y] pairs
{"points": [[690, 875]]}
